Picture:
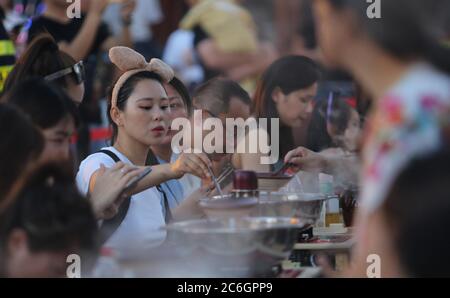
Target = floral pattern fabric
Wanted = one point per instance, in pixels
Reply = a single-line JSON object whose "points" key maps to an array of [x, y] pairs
{"points": [[408, 122]]}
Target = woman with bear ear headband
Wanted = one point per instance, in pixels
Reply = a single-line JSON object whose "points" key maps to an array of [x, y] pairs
{"points": [[137, 111]]}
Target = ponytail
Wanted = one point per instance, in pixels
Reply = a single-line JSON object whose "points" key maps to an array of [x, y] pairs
{"points": [[41, 58]]}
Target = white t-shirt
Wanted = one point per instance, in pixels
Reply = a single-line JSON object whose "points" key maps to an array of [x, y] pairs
{"points": [[140, 230], [179, 46]]}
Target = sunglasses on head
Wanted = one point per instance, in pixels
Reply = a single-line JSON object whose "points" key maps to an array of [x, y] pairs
{"points": [[77, 70]]}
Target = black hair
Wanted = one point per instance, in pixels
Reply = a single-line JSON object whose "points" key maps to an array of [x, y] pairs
{"points": [[125, 93], [45, 103], [405, 29], [318, 138], [184, 93], [215, 95], [20, 144], [54, 216], [306, 27], [290, 73], [364, 103], [40, 59], [417, 210]]}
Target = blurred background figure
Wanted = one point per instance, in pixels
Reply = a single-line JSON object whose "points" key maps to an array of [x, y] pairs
{"points": [[43, 59], [221, 98], [335, 126], [52, 111], [396, 232], [286, 91], [405, 70], [13, 18], [180, 54], [84, 39], [146, 15], [46, 222], [226, 41], [18, 155], [84, 36], [7, 48]]}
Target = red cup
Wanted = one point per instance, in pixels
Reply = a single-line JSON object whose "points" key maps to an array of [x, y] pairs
{"points": [[245, 180]]}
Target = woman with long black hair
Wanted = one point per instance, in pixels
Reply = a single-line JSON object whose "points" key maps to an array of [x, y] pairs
{"points": [[286, 92]]}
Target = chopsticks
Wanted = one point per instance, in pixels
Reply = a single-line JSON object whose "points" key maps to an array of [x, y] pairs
{"points": [[216, 184], [225, 173], [223, 176]]}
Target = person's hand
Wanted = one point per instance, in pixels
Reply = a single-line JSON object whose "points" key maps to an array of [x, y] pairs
{"points": [[108, 193], [193, 163], [98, 6], [305, 160], [127, 10]]}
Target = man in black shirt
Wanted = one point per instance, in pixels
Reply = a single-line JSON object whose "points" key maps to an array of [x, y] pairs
{"points": [[80, 37]]}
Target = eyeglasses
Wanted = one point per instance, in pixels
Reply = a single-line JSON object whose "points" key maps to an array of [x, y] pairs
{"points": [[77, 70]]}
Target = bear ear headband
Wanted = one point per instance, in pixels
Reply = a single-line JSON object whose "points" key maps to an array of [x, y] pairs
{"points": [[131, 62]]}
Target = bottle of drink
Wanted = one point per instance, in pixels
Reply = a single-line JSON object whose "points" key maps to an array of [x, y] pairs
{"points": [[333, 215], [333, 212]]}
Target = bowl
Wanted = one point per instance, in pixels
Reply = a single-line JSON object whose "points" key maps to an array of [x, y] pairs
{"points": [[236, 247], [228, 206], [269, 182], [305, 206]]}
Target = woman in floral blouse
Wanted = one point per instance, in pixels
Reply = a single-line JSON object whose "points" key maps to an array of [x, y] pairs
{"points": [[400, 63]]}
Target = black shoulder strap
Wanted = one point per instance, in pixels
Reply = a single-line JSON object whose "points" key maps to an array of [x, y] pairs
{"points": [[152, 161], [109, 226]]}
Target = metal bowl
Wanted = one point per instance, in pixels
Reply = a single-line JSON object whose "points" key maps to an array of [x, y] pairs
{"points": [[236, 247], [228, 206], [305, 206]]}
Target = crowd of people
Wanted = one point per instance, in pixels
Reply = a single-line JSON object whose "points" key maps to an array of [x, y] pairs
{"points": [[367, 102]]}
